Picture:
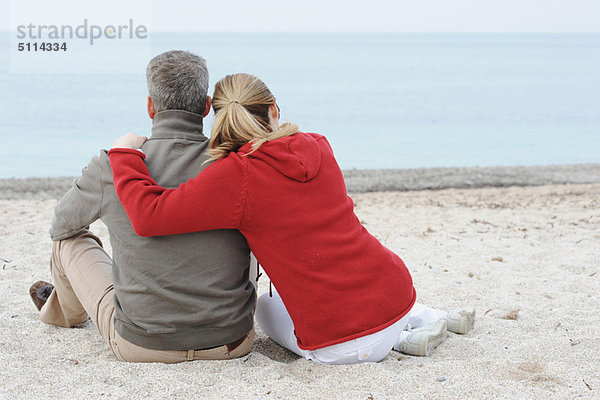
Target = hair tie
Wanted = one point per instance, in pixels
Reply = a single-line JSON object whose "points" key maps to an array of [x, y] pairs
{"points": [[234, 101]]}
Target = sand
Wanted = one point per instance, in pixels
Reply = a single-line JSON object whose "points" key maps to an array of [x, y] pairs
{"points": [[380, 180], [527, 257]]}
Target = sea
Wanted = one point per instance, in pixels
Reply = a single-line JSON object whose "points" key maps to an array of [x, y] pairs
{"points": [[384, 100]]}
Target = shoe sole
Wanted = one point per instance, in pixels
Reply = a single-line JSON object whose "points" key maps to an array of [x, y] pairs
{"points": [[466, 322], [433, 340], [33, 293]]}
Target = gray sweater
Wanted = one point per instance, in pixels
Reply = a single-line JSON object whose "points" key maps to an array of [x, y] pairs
{"points": [[180, 292]]}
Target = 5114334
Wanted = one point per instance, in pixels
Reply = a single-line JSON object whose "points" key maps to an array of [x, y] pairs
{"points": [[42, 46]]}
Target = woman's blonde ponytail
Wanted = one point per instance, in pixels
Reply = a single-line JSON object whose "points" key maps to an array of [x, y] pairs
{"points": [[241, 105]]}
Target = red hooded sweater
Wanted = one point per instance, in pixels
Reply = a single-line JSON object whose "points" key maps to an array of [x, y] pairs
{"points": [[289, 200]]}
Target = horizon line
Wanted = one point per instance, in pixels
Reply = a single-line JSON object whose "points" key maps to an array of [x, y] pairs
{"points": [[364, 32]]}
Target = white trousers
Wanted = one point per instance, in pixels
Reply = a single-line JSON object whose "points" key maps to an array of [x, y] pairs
{"points": [[274, 319]]}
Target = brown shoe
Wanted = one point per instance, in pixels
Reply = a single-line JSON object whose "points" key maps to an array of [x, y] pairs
{"points": [[39, 292]]}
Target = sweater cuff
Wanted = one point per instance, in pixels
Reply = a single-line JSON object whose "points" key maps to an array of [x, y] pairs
{"points": [[127, 150]]}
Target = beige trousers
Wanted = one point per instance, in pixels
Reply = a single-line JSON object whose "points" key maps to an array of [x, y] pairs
{"points": [[81, 272]]}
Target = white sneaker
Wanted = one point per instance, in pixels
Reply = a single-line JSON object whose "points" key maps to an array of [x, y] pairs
{"points": [[461, 320], [422, 341]]}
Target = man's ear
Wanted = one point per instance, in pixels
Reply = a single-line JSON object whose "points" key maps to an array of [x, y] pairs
{"points": [[151, 110], [208, 104]]}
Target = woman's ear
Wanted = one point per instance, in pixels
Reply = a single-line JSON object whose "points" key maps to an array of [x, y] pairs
{"points": [[274, 116], [150, 107], [208, 104], [274, 111]]}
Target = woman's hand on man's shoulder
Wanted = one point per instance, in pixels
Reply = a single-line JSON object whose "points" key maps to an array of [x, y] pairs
{"points": [[129, 141]]}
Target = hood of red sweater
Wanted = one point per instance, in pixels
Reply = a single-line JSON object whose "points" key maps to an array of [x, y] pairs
{"points": [[297, 156]]}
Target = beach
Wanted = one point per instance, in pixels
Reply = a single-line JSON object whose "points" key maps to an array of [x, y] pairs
{"points": [[520, 244]]}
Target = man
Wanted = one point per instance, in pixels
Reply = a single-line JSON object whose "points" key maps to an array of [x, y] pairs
{"points": [[164, 299]]}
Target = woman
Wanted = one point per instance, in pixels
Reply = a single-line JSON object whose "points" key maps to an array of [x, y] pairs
{"points": [[342, 296]]}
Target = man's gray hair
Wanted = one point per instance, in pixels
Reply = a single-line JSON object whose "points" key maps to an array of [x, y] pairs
{"points": [[178, 80]]}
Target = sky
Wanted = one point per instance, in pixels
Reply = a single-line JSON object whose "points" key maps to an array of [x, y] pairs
{"points": [[331, 15]]}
